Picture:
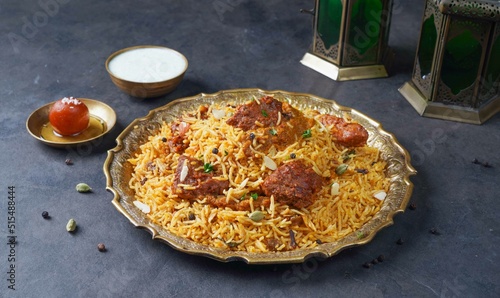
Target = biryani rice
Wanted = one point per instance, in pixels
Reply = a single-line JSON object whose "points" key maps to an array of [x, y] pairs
{"points": [[329, 218]]}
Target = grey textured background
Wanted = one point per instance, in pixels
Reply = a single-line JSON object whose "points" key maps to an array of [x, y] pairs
{"points": [[60, 50]]}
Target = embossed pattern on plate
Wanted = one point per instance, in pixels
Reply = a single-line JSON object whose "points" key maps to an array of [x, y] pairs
{"points": [[118, 172]]}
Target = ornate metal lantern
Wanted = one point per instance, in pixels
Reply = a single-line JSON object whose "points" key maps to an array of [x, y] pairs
{"points": [[456, 74], [350, 39]]}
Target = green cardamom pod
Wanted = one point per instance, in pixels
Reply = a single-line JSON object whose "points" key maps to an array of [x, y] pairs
{"points": [[341, 169], [83, 187], [256, 215], [71, 225]]}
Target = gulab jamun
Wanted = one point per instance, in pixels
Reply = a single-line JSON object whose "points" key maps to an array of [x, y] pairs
{"points": [[69, 116]]}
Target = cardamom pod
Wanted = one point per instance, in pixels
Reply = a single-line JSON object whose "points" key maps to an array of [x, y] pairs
{"points": [[83, 187], [71, 225], [256, 215], [341, 169]]}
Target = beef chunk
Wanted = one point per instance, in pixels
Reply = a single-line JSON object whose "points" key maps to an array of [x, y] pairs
{"points": [[294, 184], [203, 182], [347, 134], [266, 113], [177, 142]]}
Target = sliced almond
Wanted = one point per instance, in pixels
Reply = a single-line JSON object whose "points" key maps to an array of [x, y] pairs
{"points": [[143, 207], [218, 114], [380, 195], [269, 163], [335, 189], [184, 171]]}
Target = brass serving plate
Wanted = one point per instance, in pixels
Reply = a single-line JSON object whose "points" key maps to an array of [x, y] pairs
{"points": [[118, 172], [103, 118]]}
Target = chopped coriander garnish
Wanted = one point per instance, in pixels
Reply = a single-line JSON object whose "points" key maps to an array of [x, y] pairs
{"points": [[264, 113], [306, 134], [208, 167], [225, 152], [254, 195], [273, 131]]}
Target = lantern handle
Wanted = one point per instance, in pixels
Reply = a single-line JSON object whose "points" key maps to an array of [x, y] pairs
{"points": [[308, 11]]}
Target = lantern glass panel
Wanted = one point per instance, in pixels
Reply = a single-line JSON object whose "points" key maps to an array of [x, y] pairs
{"points": [[427, 46], [491, 80], [329, 21], [364, 31], [462, 55]]}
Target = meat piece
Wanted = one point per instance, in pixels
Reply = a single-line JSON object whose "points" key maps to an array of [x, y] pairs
{"points": [[351, 135], [347, 134], [283, 135], [272, 244], [266, 112], [292, 125], [294, 184], [177, 145], [241, 205], [203, 182], [176, 142]]}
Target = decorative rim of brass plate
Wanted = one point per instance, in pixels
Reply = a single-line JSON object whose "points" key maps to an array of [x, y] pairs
{"points": [[118, 172]]}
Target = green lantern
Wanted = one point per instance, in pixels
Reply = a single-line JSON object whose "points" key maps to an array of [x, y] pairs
{"points": [[350, 39], [456, 74]]}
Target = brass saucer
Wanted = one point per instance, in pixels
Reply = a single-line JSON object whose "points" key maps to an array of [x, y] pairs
{"points": [[102, 120]]}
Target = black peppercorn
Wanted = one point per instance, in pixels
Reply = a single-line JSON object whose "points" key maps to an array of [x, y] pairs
{"points": [[400, 241], [45, 215], [68, 161], [375, 261], [434, 231], [413, 206], [191, 216], [252, 136], [215, 151], [484, 164], [362, 171], [293, 155], [381, 258], [101, 247], [163, 139], [367, 265]]}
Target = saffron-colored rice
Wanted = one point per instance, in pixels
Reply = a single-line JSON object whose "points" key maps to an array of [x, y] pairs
{"points": [[330, 218]]}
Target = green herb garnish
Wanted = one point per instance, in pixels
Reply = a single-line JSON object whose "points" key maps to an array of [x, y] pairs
{"points": [[254, 196], [264, 113], [273, 131], [226, 153], [306, 134], [208, 167]]}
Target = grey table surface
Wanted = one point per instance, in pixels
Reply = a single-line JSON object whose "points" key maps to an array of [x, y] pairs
{"points": [[55, 48]]}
